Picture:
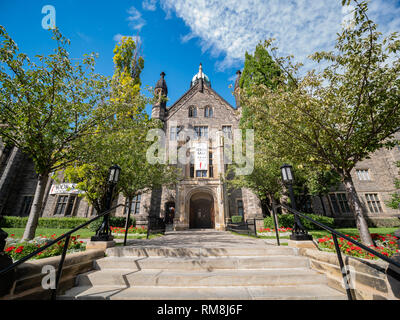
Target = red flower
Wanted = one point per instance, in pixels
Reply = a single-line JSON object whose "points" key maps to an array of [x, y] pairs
{"points": [[19, 249], [10, 249]]}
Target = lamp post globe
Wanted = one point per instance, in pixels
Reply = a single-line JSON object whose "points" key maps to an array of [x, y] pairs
{"points": [[103, 233], [299, 233]]}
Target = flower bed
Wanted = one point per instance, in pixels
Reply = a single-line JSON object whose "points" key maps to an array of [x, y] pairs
{"points": [[131, 229], [386, 245], [18, 249], [271, 231]]}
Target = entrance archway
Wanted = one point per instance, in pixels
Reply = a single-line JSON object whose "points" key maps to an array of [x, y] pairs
{"points": [[201, 211]]}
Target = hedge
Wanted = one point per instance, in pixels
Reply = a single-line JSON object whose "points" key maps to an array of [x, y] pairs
{"points": [[237, 219], [62, 223], [55, 223], [287, 221]]}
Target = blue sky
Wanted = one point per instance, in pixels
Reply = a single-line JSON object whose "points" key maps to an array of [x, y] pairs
{"points": [[176, 35]]}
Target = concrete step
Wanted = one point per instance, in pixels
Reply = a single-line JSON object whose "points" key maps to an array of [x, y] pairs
{"points": [[199, 252], [216, 278], [298, 292], [201, 263]]}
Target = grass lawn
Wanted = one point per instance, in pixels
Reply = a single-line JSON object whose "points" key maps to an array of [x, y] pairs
{"points": [[350, 231], [353, 231], [83, 233]]}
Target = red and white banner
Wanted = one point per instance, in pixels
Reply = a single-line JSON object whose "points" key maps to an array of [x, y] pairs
{"points": [[201, 156]]}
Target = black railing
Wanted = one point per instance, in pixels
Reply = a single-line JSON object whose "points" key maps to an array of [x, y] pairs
{"points": [[248, 227], [335, 234], [65, 236]]}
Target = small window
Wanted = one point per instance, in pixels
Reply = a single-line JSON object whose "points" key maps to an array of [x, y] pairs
{"points": [[201, 173], [192, 112], [135, 206], [201, 132], [344, 205], [210, 166], [26, 206], [240, 208], [208, 112], [363, 175], [64, 205], [374, 205], [227, 131], [334, 203], [174, 132], [339, 203]]}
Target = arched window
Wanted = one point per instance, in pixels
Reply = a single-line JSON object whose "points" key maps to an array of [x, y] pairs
{"points": [[192, 112], [208, 112]]}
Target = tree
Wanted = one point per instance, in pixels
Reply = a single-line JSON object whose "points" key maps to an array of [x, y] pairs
{"points": [[335, 118], [121, 140], [395, 201], [46, 107]]}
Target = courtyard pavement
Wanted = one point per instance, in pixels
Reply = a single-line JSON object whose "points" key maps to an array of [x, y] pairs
{"points": [[202, 238]]}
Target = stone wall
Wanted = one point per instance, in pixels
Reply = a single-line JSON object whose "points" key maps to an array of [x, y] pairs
{"points": [[372, 280]]}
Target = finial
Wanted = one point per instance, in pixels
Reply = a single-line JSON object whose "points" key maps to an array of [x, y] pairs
{"points": [[162, 74], [238, 72], [201, 70]]}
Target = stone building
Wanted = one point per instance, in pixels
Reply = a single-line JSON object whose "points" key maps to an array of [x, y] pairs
{"points": [[196, 127], [198, 121]]}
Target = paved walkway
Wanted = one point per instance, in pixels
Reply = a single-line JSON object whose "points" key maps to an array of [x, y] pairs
{"points": [[199, 239]]}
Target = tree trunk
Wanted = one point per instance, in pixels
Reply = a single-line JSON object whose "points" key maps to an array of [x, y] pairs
{"points": [[37, 204], [323, 205], [127, 219], [355, 205]]}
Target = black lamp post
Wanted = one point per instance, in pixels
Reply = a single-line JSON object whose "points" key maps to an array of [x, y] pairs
{"points": [[299, 233], [103, 233]]}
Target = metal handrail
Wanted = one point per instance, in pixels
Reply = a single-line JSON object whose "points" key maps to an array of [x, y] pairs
{"points": [[335, 234], [67, 236]]}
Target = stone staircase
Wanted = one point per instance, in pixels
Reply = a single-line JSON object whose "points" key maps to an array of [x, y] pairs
{"points": [[193, 273]]}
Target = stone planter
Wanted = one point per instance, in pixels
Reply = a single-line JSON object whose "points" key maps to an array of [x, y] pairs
{"points": [[370, 279], [28, 275]]}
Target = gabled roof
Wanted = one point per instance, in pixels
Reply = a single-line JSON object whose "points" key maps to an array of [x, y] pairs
{"points": [[191, 92]]}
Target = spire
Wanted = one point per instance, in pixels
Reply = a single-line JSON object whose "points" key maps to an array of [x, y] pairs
{"points": [[200, 76], [161, 92], [162, 84]]}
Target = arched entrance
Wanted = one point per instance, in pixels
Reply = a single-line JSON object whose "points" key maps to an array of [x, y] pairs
{"points": [[201, 211]]}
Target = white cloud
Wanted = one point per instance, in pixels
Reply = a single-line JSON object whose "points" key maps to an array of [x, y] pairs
{"points": [[229, 28], [149, 5], [135, 18]]}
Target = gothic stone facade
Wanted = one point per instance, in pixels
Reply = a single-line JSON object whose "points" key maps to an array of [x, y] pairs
{"points": [[200, 199]]}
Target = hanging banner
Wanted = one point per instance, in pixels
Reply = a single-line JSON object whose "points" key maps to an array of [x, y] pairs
{"points": [[201, 156], [64, 188]]}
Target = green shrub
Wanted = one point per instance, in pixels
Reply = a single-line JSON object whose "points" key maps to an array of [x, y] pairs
{"points": [[287, 221], [51, 223], [62, 223], [237, 219]]}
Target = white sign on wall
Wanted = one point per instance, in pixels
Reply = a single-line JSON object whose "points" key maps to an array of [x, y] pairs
{"points": [[64, 188], [201, 156]]}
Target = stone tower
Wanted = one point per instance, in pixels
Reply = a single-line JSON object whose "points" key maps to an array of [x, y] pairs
{"points": [[161, 92]]}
